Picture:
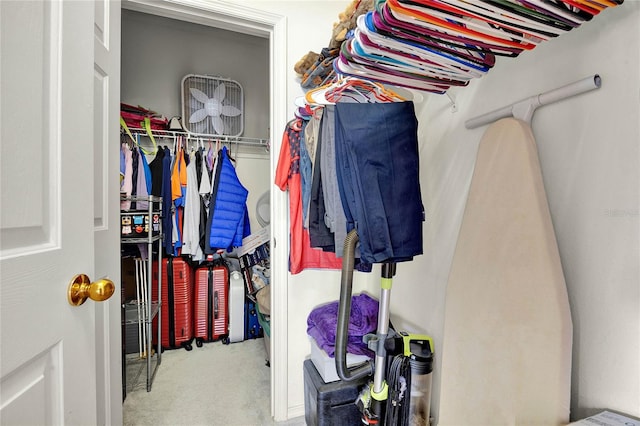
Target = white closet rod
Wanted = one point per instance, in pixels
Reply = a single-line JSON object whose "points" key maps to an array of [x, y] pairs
{"points": [[241, 140], [525, 108]]}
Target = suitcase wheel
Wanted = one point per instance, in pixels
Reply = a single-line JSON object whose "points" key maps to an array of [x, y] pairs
{"points": [[188, 346], [226, 340], [199, 343]]}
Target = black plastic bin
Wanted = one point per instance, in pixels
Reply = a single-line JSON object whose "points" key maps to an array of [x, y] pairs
{"points": [[330, 404]]}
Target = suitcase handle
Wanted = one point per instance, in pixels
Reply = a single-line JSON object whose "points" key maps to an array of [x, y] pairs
{"points": [[215, 304], [171, 303], [210, 303]]}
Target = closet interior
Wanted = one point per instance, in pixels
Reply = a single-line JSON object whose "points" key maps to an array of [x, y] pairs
{"points": [[158, 56]]}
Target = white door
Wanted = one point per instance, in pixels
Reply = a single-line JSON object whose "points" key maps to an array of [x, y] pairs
{"points": [[50, 223], [106, 206]]}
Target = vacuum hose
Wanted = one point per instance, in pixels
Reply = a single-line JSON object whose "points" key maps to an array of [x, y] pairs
{"points": [[344, 313]]}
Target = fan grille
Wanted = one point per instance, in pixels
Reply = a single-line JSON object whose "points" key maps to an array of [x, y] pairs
{"points": [[203, 124]]}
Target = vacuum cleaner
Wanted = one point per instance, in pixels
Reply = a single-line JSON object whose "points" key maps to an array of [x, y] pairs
{"points": [[399, 392]]}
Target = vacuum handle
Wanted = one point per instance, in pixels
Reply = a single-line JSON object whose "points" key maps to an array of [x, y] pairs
{"points": [[344, 312]]}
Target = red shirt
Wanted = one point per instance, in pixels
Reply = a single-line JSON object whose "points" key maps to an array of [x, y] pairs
{"points": [[301, 254]]}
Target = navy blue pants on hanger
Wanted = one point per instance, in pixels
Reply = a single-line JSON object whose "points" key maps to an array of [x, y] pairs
{"points": [[377, 166]]}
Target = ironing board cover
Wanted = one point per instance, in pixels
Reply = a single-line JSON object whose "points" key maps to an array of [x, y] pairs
{"points": [[506, 356]]}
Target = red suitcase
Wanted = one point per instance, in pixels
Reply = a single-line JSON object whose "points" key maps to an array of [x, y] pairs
{"points": [[211, 310], [177, 303]]}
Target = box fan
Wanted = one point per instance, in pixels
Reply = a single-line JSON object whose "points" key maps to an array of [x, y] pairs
{"points": [[212, 106]]}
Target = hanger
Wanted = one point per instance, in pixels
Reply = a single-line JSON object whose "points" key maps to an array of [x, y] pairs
{"points": [[194, 146], [346, 89], [227, 144], [538, 24], [473, 29], [210, 155], [391, 66], [518, 10], [588, 7], [381, 24], [355, 90], [485, 19], [386, 21], [384, 76], [434, 62], [431, 45], [136, 141]]}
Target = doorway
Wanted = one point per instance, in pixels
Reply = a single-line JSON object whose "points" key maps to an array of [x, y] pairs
{"points": [[272, 27]]}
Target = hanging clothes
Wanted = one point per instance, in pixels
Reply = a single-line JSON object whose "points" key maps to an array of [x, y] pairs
{"points": [[167, 220], [378, 178], [178, 191], [147, 173], [204, 190], [141, 182], [127, 182], [312, 132], [334, 217], [229, 218], [134, 176], [301, 255], [157, 169], [191, 217], [155, 172], [215, 180], [320, 236], [305, 174], [122, 162], [178, 175]]}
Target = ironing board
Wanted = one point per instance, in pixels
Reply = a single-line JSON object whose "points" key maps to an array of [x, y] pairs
{"points": [[506, 356]]}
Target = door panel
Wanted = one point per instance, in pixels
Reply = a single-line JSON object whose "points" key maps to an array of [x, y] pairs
{"points": [[47, 346], [29, 227], [100, 149], [106, 207], [37, 380], [104, 138]]}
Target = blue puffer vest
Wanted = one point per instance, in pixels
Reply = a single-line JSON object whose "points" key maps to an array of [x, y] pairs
{"points": [[230, 221]]}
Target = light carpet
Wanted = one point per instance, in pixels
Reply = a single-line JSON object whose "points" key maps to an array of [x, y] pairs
{"points": [[213, 385]]}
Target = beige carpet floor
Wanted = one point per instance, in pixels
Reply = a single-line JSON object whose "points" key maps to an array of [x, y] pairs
{"points": [[213, 385]]}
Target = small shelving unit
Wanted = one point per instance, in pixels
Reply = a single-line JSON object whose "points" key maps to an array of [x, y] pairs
{"points": [[144, 227]]}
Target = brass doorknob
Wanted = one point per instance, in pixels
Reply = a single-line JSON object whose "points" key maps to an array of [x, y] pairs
{"points": [[81, 288]]}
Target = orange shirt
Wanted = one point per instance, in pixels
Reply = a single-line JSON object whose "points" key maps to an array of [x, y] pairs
{"points": [[178, 177]]}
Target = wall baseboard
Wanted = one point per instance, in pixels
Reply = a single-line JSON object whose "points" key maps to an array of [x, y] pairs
{"points": [[295, 411]]}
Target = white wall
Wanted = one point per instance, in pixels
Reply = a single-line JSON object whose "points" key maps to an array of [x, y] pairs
{"points": [[158, 52], [590, 162]]}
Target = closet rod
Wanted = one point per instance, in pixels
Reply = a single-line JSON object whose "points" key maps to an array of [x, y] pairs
{"points": [[257, 142], [525, 108]]}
